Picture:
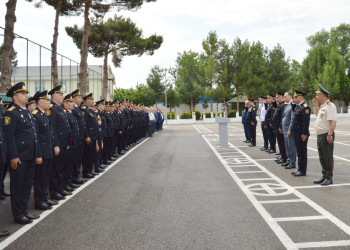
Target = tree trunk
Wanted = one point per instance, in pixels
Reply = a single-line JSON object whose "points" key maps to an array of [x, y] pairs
{"points": [[191, 104], [83, 74], [346, 104], [237, 102], [7, 48], [54, 70], [211, 104], [105, 75], [156, 104]]}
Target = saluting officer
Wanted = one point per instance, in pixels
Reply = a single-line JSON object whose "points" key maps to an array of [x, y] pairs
{"points": [[22, 143], [78, 152], [251, 120], [325, 125], [46, 145], [60, 127], [299, 128], [92, 132]]}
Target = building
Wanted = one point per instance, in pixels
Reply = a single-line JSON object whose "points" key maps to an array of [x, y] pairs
{"points": [[39, 79]]}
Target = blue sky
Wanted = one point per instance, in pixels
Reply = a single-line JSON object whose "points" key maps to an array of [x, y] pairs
{"points": [[184, 24]]}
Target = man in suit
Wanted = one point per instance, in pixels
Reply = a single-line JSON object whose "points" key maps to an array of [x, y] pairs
{"points": [[284, 128], [251, 120], [270, 110], [23, 154], [245, 123], [299, 128]]}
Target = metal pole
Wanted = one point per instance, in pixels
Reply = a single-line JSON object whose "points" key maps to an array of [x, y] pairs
{"points": [[40, 68], [166, 107], [70, 75], [27, 64]]}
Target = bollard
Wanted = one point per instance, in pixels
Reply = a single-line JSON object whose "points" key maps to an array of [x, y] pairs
{"points": [[223, 133]]}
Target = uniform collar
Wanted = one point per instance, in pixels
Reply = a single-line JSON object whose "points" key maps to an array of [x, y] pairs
{"points": [[325, 103]]}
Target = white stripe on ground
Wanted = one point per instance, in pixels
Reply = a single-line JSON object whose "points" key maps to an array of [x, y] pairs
{"points": [[334, 156], [319, 186], [302, 218], [280, 201], [5, 243]]}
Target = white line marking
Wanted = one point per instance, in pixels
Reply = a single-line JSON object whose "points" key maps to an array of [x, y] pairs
{"points": [[322, 244], [301, 218], [196, 129], [257, 179], [248, 172], [5, 243], [281, 201], [319, 186]]}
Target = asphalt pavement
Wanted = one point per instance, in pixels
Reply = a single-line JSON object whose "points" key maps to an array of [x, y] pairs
{"points": [[180, 190]]}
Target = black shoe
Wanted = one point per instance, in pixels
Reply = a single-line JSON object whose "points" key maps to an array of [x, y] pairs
{"points": [[65, 193], [278, 154], [272, 151], [122, 153], [32, 217], [290, 166], [113, 159], [6, 194], [99, 170], [75, 186], [251, 145], [23, 220], [103, 166], [267, 150], [115, 155], [51, 203], [285, 164], [88, 175], [277, 159], [57, 197], [4, 233], [68, 189], [299, 174], [263, 149], [78, 181], [2, 197], [42, 206], [282, 161], [320, 180], [326, 182], [109, 162], [94, 174]]}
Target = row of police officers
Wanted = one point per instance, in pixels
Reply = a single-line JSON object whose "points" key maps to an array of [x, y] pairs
{"points": [[45, 141], [285, 120]]}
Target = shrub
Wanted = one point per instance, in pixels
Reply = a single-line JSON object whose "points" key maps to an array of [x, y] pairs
{"points": [[171, 115], [232, 113], [207, 114], [186, 115], [198, 114], [220, 113]]}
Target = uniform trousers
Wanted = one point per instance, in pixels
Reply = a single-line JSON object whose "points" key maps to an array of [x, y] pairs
{"points": [[247, 133], [272, 138], [291, 149], [301, 152], [21, 181], [325, 152], [265, 133], [89, 157], [281, 145], [98, 155], [41, 181], [68, 166], [252, 129], [56, 176], [78, 159]]}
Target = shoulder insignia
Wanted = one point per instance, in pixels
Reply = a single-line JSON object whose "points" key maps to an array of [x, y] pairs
{"points": [[329, 103], [305, 105], [96, 111], [51, 105], [35, 112], [48, 112], [254, 109], [307, 111], [83, 107], [249, 109], [65, 111], [83, 112], [11, 108], [7, 120]]}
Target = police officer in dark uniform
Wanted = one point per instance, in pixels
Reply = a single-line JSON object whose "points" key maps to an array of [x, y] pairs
{"points": [[268, 121], [60, 127], [107, 151], [251, 120], [23, 154], [73, 142], [46, 145], [119, 127], [300, 130], [276, 121], [92, 132], [78, 152]]}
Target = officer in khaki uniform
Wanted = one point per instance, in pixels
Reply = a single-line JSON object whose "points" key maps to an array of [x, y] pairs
{"points": [[324, 125]]}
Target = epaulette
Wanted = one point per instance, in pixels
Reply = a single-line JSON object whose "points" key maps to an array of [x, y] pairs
{"points": [[65, 111], [305, 105], [51, 105], [285, 103], [11, 108], [48, 112], [35, 112], [96, 111], [329, 103], [83, 107]]}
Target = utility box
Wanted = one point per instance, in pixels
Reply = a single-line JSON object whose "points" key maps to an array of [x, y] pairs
{"points": [[223, 132]]}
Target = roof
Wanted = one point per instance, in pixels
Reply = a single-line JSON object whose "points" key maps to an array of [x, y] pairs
{"points": [[34, 72], [5, 98]]}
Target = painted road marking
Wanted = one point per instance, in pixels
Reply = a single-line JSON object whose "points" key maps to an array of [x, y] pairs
{"points": [[319, 186], [269, 189], [5, 243], [281, 201]]}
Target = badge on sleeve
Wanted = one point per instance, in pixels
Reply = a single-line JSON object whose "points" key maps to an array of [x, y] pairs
{"points": [[307, 111], [7, 120]]}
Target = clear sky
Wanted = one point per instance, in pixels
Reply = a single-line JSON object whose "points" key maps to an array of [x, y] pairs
{"points": [[184, 24]]}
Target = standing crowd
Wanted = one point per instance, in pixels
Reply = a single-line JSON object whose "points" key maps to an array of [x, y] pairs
{"points": [[285, 120], [55, 144]]}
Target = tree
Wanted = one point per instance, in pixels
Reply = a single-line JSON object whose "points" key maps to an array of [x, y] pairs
{"points": [[173, 98], [99, 8], [119, 36], [155, 82], [14, 61], [186, 78], [7, 47]]}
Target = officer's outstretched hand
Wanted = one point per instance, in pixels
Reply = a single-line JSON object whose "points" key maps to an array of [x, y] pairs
{"points": [[57, 150], [15, 162], [303, 137], [39, 161]]}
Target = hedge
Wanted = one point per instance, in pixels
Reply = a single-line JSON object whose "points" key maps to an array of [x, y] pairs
{"points": [[171, 115], [198, 114], [232, 113], [186, 115]]}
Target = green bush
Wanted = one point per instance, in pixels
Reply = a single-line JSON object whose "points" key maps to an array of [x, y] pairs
{"points": [[232, 113], [171, 115], [186, 115], [220, 113], [207, 114], [198, 114]]}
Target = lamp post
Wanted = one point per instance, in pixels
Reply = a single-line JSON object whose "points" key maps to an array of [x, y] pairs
{"points": [[166, 99]]}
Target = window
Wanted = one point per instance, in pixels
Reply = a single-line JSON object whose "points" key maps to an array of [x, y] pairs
{"points": [[39, 86], [64, 86]]}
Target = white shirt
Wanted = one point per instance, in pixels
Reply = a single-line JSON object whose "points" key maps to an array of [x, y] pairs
{"points": [[262, 111]]}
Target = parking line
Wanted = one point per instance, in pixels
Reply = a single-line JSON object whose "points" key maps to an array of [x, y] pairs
{"points": [[280, 201], [301, 218], [5, 243], [319, 186]]}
